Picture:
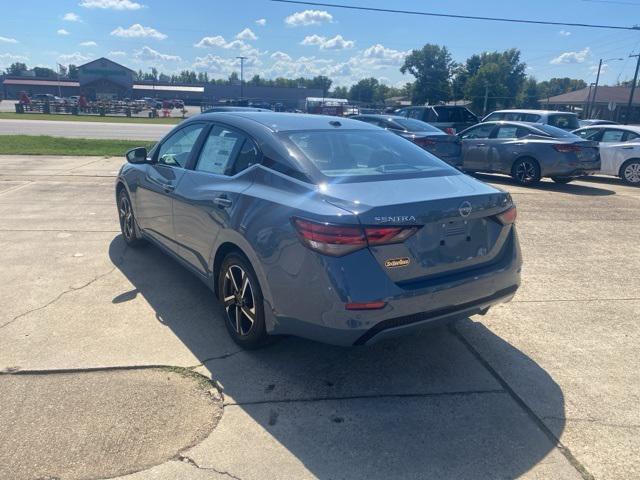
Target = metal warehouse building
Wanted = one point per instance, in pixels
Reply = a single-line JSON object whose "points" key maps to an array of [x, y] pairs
{"points": [[106, 79]]}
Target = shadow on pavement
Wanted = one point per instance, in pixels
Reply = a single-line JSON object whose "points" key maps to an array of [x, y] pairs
{"points": [[548, 185], [423, 406]]}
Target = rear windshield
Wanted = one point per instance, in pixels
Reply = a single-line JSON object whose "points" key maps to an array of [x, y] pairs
{"points": [[555, 132], [567, 122], [364, 155], [416, 125]]}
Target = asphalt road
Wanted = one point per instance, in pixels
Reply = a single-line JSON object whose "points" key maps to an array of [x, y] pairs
{"points": [[546, 386], [121, 131]]}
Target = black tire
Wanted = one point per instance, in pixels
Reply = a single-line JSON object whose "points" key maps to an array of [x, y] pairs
{"points": [[526, 171], [630, 172], [128, 225], [562, 180], [242, 302]]}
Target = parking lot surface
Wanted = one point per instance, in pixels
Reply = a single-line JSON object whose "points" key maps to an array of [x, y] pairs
{"points": [[547, 386]]}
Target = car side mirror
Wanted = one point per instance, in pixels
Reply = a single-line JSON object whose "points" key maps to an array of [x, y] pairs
{"points": [[137, 155]]}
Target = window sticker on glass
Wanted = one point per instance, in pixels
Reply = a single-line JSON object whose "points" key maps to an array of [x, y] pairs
{"points": [[216, 154]]}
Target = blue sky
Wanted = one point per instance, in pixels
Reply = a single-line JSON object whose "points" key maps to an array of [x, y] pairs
{"points": [[294, 40]]}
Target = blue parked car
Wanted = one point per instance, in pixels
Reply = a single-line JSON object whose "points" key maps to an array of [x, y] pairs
{"points": [[321, 227]]}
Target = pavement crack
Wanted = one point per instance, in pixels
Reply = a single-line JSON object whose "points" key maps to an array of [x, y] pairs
{"points": [[65, 292], [193, 463], [564, 450], [218, 357], [368, 397]]}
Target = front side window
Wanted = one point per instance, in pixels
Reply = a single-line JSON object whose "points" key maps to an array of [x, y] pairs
{"points": [[588, 133], [353, 155], [612, 136], [414, 113], [175, 151], [507, 131], [219, 150], [481, 131]]}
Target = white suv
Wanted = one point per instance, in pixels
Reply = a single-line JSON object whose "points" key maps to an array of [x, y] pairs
{"points": [[564, 120]]}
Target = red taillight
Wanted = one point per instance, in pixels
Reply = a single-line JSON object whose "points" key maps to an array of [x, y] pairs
{"points": [[365, 305], [337, 240], [567, 147], [450, 131], [508, 216]]}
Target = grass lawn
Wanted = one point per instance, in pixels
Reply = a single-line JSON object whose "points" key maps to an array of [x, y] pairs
{"points": [[43, 145], [87, 118]]}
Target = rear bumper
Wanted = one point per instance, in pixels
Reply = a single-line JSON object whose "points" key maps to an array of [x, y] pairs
{"points": [[414, 307]]}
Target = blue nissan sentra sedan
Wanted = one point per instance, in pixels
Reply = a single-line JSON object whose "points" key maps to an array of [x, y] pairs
{"points": [[322, 227]]}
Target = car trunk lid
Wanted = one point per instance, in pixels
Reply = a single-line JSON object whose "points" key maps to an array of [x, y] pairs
{"points": [[456, 216]]}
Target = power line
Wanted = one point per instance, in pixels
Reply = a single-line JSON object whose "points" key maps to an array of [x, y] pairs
{"points": [[463, 17]]}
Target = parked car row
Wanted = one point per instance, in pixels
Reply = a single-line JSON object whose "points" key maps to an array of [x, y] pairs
{"points": [[526, 144]]}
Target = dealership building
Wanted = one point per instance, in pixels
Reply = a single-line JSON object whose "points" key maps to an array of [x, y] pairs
{"points": [[106, 79]]}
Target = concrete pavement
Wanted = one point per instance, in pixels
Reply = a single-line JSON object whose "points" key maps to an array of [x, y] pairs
{"points": [[55, 128], [544, 387]]}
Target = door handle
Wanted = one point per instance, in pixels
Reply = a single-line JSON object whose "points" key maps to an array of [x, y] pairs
{"points": [[168, 188], [627, 148], [222, 201]]}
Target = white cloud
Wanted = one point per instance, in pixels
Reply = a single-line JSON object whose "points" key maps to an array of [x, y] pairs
{"points": [[149, 54], [90, 43], [72, 58], [217, 41], [62, 31], [337, 43], [246, 34], [308, 17], [261, 21], [379, 55], [280, 56], [71, 17], [8, 40], [111, 4], [603, 69], [117, 53], [313, 40], [223, 66], [572, 57], [138, 31], [564, 33], [7, 58]]}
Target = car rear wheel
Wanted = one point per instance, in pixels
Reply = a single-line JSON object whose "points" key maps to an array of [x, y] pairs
{"points": [[630, 172], [128, 224], [243, 303], [526, 171], [562, 180]]}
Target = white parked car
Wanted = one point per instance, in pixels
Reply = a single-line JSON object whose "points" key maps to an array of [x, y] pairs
{"points": [[619, 150]]}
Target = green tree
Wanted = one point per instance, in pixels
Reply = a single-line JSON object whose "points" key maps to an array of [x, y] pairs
{"points": [[44, 72], [432, 67], [530, 94], [496, 75], [17, 69], [364, 91], [558, 86], [340, 92], [73, 72]]}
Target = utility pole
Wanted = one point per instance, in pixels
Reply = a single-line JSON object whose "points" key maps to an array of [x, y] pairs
{"points": [[59, 89], [486, 99], [633, 89], [242, 59], [595, 90]]}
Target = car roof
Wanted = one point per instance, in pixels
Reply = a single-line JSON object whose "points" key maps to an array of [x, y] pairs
{"points": [[281, 122], [381, 116], [536, 112], [509, 122], [629, 128]]}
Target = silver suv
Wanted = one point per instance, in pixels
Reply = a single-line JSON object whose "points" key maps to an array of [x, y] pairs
{"points": [[564, 120]]}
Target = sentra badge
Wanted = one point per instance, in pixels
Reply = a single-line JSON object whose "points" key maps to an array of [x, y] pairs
{"points": [[396, 262]]}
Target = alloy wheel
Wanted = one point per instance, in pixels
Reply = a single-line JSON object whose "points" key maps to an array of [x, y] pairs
{"points": [[525, 172], [239, 300], [632, 173], [126, 217]]}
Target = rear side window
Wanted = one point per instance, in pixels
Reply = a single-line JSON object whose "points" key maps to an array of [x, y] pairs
{"points": [[531, 117], [507, 131], [353, 154], [219, 150], [631, 136], [612, 136], [446, 114], [481, 131], [566, 122], [555, 132]]}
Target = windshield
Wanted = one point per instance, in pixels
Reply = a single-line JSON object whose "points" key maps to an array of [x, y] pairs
{"points": [[416, 125], [555, 132], [357, 155]]}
